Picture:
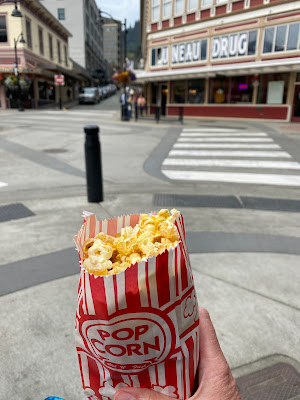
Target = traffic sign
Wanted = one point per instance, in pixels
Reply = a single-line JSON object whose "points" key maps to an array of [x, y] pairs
{"points": [[59, 80]]}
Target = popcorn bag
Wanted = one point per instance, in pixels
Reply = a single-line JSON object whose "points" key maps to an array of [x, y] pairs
{"points": [[139, 327]]}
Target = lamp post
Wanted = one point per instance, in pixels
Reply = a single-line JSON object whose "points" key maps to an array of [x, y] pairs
{"points": [[15, 12], [20, 39]]}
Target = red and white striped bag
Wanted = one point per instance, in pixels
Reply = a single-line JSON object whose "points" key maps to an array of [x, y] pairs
{"points": [[139, 328]]}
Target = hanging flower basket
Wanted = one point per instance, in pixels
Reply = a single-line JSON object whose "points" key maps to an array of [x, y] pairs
{"points": [[124, 77], [11, 82], [25, 83]]}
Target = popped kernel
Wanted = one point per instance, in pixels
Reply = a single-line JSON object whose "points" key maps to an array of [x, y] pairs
{"points": [[108, 255]]}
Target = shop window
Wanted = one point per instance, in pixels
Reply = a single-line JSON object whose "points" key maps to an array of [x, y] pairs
{"points": [[272, 88], [179, 92], [196, 91], [167, 8], [3, 31], [281, 38], [153, 94], [192, 5], [155, 10], [28, 34], [293, 36], [298, 77], [241, 89], [219, 89], [41, 41], [179, 6]]}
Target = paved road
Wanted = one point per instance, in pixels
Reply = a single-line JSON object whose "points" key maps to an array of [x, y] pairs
{"points": [[243, 237]]}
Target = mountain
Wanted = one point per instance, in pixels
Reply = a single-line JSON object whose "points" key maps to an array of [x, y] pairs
{"points": [[133, 43]]}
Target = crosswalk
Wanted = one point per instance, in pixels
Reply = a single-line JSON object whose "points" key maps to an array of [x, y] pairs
{"points": [[230, 156]]}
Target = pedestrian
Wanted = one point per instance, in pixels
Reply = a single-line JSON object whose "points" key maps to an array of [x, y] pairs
{"points": [[135, 105], [215, 379], [141, 103]]}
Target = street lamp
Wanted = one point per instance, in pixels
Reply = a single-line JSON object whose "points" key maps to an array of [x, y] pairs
{"points": [[20, 39], [15, 12]]}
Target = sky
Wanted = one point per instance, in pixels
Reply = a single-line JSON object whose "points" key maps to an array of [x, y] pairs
{"points": [[121, 9]]}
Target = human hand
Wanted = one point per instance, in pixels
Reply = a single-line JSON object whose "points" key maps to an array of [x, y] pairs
{"points": [[215, 379]]}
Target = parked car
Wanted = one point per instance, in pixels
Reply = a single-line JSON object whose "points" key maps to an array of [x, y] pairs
{"points": [[89, 95]]}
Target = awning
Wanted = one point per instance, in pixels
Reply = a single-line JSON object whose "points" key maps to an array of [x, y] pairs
{"points": [[57, 69], [245, 68]]}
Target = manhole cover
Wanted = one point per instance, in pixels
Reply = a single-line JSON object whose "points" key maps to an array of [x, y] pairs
{"points": [[55, 151], [278, 382], [14, 211]]}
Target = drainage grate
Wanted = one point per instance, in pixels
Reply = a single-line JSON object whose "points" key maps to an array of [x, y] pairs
{"points": [[175, 200], [278, 382], [260, 203], [251, 203], [14, 211], [55, 151]]}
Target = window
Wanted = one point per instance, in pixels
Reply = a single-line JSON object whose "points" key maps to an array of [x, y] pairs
{"points": [[221, 1], [271, 87], [41, 41], [167, 8], [61, 13], [50, 46], [206, 3], [58, 51], [196, 91], [293, 37], [3, 32], [179, 6], [155, 10], [192, 4], [241, 89], [219, 89], [28, 34], [179, 91], [281, 38], [66, 56], [159, 56]]}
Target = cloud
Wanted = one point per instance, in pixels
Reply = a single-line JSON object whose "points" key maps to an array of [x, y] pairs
{"points": [[129, 9]]}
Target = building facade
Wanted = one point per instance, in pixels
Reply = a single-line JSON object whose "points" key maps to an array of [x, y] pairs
{"points": [[33, 64], [222, 58], [81, 18], [112, 42]]}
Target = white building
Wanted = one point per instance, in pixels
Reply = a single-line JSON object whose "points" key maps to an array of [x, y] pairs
{"points": [[80, 18]]}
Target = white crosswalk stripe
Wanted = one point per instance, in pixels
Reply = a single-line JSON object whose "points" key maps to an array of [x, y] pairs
{"points": [[217, 154]]}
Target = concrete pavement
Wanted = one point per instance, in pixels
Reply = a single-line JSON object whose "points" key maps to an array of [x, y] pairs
{"points": [[253, 297]]}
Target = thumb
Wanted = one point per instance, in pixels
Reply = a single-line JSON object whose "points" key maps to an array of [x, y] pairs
{"points": [[139, 394]]}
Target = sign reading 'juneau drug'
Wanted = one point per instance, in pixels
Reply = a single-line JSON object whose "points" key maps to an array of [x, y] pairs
{"points": [[234, 45]]}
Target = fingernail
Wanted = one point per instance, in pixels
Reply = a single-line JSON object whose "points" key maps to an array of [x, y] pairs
{"points": [[123, 395]]}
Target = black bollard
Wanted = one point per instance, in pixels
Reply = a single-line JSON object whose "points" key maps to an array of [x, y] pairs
{"points": [[157, 114], [180, 116], [93, 164]]}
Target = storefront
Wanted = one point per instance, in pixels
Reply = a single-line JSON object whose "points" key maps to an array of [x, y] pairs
{"points": [[240, 65]]}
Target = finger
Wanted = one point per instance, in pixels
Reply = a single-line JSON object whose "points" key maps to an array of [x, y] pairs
{"points": [[139, 394], [210, 350]]}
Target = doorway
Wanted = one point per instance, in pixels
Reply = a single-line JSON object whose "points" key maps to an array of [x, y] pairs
{"points": [[296, 105]]}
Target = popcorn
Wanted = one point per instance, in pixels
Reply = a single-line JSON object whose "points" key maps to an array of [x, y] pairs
{"points": [[108, 255]]}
